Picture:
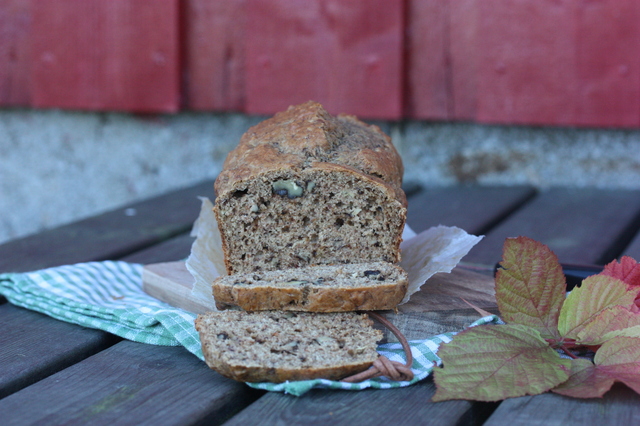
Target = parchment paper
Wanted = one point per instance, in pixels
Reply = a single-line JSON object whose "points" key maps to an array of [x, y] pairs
{"points": [[437, 249]]}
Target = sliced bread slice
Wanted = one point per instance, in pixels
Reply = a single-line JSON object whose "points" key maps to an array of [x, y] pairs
{"points": [[335, 288], [276, 346]]}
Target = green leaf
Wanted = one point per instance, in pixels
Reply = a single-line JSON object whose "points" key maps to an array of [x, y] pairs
{"points": [[596, 294], [490, 363], [617, 360], [609, 323], [531, 287]]}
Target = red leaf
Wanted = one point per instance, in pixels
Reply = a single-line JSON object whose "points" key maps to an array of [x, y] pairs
{"points": [[628, 270]]}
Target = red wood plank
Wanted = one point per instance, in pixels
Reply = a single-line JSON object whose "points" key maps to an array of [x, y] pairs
{"points": [[429, 91], [15, 25], [527, 68], [106, 55], [346, 55], [608, 63], [442, 59], [214, 54], [465, 56]]}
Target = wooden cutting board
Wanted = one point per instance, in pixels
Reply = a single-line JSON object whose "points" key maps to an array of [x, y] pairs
{"points": [[438, 307]]}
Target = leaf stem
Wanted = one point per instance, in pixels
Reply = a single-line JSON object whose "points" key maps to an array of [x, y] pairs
{"points": [[567, 351]]}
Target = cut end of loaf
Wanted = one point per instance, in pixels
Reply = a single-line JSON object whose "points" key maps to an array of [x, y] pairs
{"points": [[336, 288], [321, 215], [276, 346]]}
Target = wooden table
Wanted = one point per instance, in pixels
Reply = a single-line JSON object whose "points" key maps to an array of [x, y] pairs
{"points": [[57, 373]]}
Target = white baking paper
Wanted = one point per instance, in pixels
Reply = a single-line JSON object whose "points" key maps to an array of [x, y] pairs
{"points": [[437, 249], [206, 260]]}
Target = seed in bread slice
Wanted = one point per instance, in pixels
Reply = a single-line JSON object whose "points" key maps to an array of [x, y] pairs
{"points": [[335, 288], [276, 346]]}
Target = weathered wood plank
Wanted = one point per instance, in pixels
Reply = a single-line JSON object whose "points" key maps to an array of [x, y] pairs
{"points": [[621, 406], [35, 346], [214, 54], [54, 344], [121, 231], [473, 208], [404, 406], [633, 249], [345, 55], [167, 251], [130, 384], [97, 55], [15, 29], [60, 344], [580, 225], [110, 235]]}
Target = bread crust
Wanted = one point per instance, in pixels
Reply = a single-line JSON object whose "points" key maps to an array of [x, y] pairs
{"points": [[251, 374], [306, 134], [311, 297]]}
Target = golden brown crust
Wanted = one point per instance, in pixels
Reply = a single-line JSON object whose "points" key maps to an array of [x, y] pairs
{"points": [[243, 373], [307, 134], [311, 298]]}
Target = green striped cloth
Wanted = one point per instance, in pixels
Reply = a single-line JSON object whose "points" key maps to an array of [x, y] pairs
{"points": [[109, 296]]}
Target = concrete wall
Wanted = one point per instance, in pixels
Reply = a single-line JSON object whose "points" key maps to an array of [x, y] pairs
{"points": [[59, 166]]}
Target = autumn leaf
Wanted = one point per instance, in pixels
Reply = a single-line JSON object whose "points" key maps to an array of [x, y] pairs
{"points": [[494, 362], [586, 381], [618, 360], [609, 323], [490, 363], [585, 303], [530, 287], [628, 270]]}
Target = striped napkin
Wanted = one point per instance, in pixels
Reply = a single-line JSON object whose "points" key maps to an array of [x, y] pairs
{"points": [[108, 296]]}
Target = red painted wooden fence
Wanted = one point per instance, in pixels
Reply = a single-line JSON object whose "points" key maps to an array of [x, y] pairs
{"points": [[214, 54], [106, 55], [538, 62], [15, 30], [345, 54]]}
